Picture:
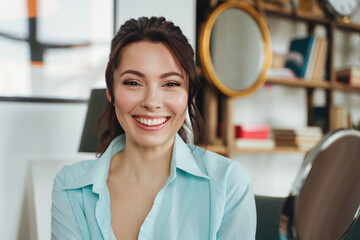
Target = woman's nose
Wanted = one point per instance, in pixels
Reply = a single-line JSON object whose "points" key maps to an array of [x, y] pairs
{"points": [[152, 99]]}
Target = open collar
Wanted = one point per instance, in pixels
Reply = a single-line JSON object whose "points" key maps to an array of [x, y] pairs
{"points": [[98, 173], [182, 158]]}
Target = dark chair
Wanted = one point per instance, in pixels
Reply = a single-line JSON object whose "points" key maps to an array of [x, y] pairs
{"points": [[268, 216]]}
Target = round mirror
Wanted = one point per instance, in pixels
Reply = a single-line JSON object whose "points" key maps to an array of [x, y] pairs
{"points": [[235, 49], [324, 202]]}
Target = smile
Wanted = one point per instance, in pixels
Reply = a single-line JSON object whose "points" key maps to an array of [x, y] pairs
{"points": [[151, 121]]}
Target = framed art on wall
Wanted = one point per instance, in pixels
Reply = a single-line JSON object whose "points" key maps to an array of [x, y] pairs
{"points": [[52, 48]]}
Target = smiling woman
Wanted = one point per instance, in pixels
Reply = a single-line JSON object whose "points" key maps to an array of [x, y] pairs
{"points": [[149, 87], [149, 183]]}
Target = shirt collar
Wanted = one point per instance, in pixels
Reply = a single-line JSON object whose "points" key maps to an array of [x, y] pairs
{"points": [[182, 158], [98, 174]]}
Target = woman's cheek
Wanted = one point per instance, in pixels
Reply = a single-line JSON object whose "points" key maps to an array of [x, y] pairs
{"points": [[125, 100], [178, 101]]}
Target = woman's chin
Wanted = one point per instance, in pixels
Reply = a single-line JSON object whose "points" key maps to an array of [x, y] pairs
{"points": [[152, 141]]}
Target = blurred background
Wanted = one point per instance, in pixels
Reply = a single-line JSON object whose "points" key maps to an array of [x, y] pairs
{"points": [[53, 54]]}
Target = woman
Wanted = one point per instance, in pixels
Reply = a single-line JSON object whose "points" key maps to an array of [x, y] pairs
{"points": [[148, 183]]}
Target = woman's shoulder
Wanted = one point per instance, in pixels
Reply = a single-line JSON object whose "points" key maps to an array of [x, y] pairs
{"points": [[219, 168], [71, 172]]}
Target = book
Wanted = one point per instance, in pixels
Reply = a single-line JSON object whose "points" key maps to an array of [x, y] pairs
{"points": [[349, 76], [319, 68], [253, 131], [315, 69], [300, 131], [303, 138], [349, 71], [340, 118], [306, 5], [298, 56], [312, 59], [298, 139], [267, 144]]}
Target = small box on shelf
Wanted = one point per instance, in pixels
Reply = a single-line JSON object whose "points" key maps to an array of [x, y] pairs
{"points": [[253, 136], [253, 131]]}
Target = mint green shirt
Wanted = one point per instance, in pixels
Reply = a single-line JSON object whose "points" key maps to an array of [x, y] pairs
{"points": [[206, 196]]}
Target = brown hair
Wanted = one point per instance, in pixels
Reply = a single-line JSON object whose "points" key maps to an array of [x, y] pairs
{"points": [[154, 29]]}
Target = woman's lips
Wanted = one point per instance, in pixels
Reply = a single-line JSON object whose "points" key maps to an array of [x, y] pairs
{"points": [[152, 123]]}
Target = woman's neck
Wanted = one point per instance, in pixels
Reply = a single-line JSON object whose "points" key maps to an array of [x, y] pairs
{"points": [[143, 165]]}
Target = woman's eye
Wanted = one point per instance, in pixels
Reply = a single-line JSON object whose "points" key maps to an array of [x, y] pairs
{"points": [[131, 83], [172, 84]]}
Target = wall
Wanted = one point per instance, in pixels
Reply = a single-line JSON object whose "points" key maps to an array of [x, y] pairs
{"points": [[32, 131], [181, 12]]}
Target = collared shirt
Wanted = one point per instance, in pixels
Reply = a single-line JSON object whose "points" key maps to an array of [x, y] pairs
{"points": [[206, 196]]}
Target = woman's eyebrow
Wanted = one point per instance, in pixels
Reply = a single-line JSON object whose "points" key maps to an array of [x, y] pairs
{"points": [[132, 72], [165, 75]]}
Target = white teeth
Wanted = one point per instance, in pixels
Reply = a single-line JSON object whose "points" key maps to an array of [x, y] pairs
{"points": [[151, 122]]}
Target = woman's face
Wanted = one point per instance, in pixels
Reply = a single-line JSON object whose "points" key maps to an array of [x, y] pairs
{"points": [[151, 94]]}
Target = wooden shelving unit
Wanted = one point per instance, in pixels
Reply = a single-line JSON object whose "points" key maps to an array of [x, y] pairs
{"points": [[352, 27], [345, 87], [221, 149], [299, 83], [275, 150], [295, 16], [329, 86]]}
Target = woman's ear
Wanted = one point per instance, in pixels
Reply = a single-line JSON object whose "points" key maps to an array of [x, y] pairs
{"points": [[108, 95]]}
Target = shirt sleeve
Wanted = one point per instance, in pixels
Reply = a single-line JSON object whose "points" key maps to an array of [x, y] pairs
{"points": [[239, 219], [63, 221]]}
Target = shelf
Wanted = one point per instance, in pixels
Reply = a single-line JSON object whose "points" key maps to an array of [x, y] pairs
{"points": [[297, 16], [275, 150], [348, 27], [299, 83], [346, 87], [329, 85], [221, 149], [276, 11]]}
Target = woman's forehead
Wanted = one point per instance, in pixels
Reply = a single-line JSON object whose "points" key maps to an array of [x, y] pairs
{"points": [[150, 56]]}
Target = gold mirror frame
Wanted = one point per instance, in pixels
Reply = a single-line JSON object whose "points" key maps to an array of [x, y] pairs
{"points": [[204, 49]]}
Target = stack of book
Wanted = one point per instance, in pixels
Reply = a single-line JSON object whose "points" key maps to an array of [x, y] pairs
{"points": [[340, 118], [307, 57], [303, 138], [349, 76], [253, 136]]}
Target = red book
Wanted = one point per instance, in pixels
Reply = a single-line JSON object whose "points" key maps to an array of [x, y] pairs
{"points": [[256, 131]]}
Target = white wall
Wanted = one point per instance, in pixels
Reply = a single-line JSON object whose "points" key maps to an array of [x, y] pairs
{"points": [[181, 12], [31, 131]]}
